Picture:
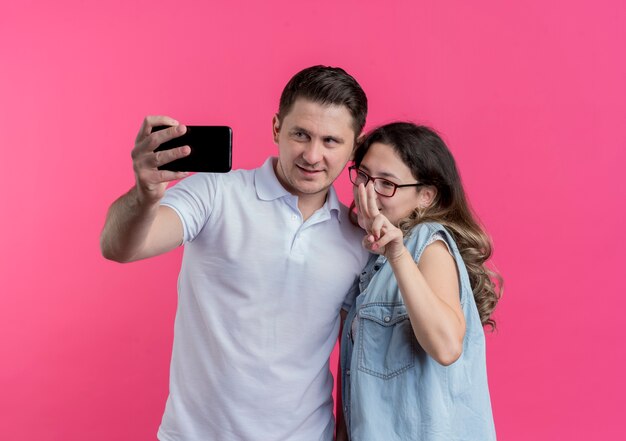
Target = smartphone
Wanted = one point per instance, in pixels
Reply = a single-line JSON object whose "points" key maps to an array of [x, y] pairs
{"points": [[211, 149]]}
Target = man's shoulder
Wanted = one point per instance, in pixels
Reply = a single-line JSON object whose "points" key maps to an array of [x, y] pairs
{"points": [[240, 174], [352, 233], [343, 214], [233, 176], [245, 174]]}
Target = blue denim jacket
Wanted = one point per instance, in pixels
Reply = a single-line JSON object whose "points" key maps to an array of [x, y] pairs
{"points": [[392, 389]]}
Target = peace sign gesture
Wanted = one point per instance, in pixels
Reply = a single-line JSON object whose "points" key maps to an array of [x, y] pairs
{"points": [[382, 236]]}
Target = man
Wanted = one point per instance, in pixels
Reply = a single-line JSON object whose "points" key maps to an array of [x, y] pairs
{"points": [[269, 257]]}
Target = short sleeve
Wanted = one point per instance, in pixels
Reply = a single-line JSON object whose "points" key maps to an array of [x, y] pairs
{"points": [[194, 200], [438, 236]]}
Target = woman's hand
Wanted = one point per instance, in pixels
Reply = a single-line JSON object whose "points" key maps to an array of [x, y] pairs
{"points": [[382, 236]]}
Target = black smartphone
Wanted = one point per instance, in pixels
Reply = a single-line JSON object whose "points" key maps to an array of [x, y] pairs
{"points": [[211, 149]]}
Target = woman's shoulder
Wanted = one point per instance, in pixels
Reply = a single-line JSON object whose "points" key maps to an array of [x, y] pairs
{"points": [[425, 230], [424, 234]]}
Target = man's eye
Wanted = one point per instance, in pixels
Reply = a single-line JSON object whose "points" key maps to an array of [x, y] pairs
{"points": [[300, 135]]}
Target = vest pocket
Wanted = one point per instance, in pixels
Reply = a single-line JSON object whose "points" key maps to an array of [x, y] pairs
{"points": [[386, 344]]}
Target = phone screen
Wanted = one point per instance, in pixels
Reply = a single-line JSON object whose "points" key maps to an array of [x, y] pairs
{"points": [[211, 149]]}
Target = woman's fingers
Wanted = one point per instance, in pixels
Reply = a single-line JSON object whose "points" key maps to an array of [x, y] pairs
{"points": [[362, 193], [381, 233], [368, 201], [372, 201], [376, 229]]}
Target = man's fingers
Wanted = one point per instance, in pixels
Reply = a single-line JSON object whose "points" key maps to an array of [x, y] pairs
{"points": [[167, 176], [150, 122], [160, 136], [150, 179], [147, 145], [166, 156]]}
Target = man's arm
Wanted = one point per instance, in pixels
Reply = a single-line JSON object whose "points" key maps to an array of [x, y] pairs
{"points": [[133, 231], [137, 227]]}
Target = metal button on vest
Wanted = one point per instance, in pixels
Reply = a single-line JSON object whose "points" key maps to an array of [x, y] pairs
{"points": [[387, 319]]}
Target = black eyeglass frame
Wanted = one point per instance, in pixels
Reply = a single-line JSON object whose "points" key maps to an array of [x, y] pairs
{"points": [[374, 179]]}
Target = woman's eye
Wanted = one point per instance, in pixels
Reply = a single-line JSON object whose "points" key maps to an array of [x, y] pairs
{"points": [[387, 184]]}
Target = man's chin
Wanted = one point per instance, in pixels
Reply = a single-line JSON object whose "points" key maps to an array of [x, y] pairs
{"points": [[312, 188]]}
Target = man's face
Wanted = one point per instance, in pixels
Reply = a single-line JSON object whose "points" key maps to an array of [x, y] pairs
{"points": [[315, 142]]}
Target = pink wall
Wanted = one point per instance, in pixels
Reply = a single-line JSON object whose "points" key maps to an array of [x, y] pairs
{"points": [[530, 96]]}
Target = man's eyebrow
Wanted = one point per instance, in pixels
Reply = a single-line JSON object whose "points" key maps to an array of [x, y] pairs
{"points": [[299, 129], [338, 139]]}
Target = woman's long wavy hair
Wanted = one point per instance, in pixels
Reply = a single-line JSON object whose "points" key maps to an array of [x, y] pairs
{"points": [[431, 163]]}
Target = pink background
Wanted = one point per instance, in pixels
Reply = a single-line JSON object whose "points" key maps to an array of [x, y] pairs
{"points": [[531, 97]]}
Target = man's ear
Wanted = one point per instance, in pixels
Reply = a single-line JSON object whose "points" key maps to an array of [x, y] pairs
{"points": [[427, 196], [275, 128]]}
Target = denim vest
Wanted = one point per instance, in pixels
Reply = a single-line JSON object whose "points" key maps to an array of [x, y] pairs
{"points": [[392, 389]]}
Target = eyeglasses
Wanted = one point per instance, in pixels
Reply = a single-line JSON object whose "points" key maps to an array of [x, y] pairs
{"points": [[382, 186]]}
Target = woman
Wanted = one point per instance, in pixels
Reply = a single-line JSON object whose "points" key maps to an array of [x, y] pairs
{"points": [[413, 347]]}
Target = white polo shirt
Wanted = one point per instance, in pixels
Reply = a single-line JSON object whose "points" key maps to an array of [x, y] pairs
{"points": [[258, 309]]}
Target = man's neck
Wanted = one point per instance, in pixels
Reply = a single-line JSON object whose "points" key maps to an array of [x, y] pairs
{"points": [[310, 203], [307, 203]]}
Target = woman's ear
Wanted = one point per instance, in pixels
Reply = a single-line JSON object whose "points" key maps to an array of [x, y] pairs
{"points": [[426, 196], [275, 128]]}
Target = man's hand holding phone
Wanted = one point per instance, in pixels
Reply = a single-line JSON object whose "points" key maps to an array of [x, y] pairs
{"points": [[166, 150], [151, 181], [137, 227]]}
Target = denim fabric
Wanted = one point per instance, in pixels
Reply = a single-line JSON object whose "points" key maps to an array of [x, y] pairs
{"points": [[392, 389]]}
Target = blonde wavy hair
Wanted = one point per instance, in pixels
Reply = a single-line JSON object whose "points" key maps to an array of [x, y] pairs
{"points": [[431, 163]]}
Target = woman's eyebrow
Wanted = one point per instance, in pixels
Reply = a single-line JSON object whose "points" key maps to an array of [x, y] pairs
{"points": [[381, 175]]}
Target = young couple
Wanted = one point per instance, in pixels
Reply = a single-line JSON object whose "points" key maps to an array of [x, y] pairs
{"points": [[269, 256]]}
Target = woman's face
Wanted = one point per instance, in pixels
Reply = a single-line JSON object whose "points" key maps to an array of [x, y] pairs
{"points": [[382, 161]]}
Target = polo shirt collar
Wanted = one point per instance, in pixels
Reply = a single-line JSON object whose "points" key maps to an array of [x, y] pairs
{"points": [[333, 204], [269, 188]]}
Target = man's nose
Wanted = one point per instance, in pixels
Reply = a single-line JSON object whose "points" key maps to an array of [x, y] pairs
{"points": [[313, 152]]}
